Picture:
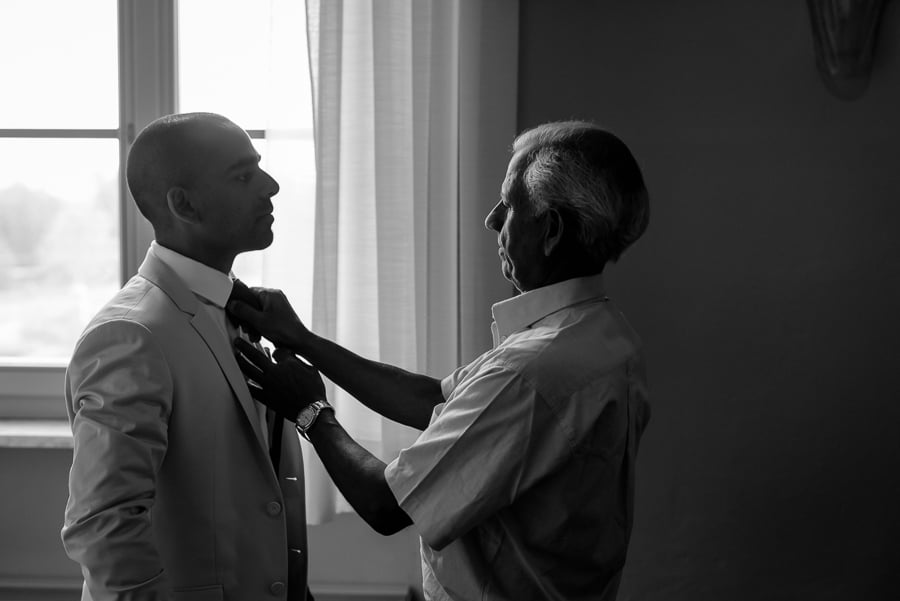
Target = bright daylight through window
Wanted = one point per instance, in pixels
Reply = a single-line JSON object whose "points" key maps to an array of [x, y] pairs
{"points": [[63, 225], [59, 215]]}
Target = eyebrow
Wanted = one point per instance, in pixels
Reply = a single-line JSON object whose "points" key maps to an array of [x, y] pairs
{"points": [[244, 162]]}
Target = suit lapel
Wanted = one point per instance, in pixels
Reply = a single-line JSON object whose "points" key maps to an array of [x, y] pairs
{"points": [[224, 355], [163, 276]]}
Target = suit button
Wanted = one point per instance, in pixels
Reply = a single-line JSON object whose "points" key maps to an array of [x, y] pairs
{"points": [[276, 588], [273, 508]]}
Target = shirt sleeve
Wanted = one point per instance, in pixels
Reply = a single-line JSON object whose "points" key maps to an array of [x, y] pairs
{"points": [[119, 391], [493, 437]]}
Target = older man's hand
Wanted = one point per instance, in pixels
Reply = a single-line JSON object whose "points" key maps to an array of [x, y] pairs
{"points": [[286, 385], [267, 312]]}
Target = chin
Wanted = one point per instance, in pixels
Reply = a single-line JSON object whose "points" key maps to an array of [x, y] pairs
{"points": [[265, 241], [256, 245]]}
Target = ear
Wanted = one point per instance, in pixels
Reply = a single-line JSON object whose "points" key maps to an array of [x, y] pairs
{"points": [[553, 231], [180, 206]]}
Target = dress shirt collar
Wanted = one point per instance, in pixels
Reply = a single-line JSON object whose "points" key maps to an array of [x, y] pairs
{"points": [[204, 281], [521, 311]]}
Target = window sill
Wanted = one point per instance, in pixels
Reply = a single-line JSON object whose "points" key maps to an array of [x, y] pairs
{"points": [[35, 434]]}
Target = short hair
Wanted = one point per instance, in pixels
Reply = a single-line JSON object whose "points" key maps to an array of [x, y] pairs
{"points": [[164, 155], [589, 176]]}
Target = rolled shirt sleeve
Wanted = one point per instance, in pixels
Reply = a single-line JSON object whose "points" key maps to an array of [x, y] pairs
{"points": [[493, 437], [119, 398]]}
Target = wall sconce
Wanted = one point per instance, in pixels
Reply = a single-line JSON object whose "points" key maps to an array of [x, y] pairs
{"points": [[844, 33]]}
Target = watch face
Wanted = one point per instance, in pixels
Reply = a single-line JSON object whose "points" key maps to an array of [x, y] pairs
{"points": [[306, 416]]}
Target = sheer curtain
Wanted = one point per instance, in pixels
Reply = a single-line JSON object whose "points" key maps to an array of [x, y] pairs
{"points": [[414, 106]]}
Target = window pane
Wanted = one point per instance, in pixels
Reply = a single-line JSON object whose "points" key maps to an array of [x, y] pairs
{"points": [[60, 64], [223, 58], [247, 59], [59, 241]]}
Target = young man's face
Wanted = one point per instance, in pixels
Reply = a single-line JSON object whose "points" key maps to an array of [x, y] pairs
{"points": [[520, 235], [233, 193]]}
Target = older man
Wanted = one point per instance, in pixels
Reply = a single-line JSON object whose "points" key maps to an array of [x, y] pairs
{"points": [[521, 484], [179, 488]]}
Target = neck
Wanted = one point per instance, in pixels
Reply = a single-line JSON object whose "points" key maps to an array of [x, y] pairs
{"points": [[566, 269], [569, 270], [192, 250]]}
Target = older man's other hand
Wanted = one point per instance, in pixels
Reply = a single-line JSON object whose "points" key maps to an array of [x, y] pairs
{"points": [[286, 385], [267, 312]]}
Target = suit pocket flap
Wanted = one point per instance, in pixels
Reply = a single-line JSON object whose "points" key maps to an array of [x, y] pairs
{"points": [[199, 593]]}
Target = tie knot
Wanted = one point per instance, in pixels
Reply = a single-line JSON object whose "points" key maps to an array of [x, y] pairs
{"points": [[240, 291]]}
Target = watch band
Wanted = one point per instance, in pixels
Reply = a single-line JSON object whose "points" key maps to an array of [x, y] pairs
{"points": [[309, 415]]}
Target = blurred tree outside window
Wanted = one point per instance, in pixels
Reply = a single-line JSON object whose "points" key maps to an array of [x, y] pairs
{"points": [[59, 199]]}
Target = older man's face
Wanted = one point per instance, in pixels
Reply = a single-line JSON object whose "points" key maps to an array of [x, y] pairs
{"points": [[520, 235]]}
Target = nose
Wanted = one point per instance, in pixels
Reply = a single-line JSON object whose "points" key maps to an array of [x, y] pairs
{"points": [[273, 184], [493, 221]]}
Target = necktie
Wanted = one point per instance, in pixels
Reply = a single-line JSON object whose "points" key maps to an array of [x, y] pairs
{"points": [[274, 422]]}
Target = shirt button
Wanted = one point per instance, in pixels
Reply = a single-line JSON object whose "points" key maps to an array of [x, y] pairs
{"points": [[276, 588], [273, 508]]}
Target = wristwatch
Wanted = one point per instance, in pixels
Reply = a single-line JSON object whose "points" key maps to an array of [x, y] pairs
{"points": [[307, 417]]}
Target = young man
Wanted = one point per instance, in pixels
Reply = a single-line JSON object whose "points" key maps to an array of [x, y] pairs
{"points": [[174, 491]]}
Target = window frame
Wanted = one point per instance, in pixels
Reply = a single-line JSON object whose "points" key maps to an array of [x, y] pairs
{"points": [[147, 48]]}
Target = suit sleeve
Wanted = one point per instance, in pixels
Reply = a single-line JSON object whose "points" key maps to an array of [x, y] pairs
{"points": [[119, 394]]}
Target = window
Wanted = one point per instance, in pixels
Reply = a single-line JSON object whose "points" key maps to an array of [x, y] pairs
{"points": [[247, 60], [58, 227], [88, 78]]}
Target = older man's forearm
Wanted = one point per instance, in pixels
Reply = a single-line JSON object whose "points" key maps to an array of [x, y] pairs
{"points": [[397, 394], [359, 476]]}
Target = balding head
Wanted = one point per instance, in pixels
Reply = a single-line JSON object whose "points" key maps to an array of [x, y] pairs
{"points": [[166, 154]]}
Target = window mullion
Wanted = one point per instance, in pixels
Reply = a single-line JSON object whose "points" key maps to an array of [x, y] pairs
{"points": [[147, 90]]}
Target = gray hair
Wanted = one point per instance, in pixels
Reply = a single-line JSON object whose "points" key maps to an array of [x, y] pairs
{"points": [[590, 177]]}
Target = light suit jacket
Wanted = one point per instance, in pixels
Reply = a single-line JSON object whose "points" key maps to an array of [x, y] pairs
{"points": [[172, 494]]}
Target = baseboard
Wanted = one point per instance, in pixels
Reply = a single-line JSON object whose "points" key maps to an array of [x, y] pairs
{"points": [[360, 592], [70, 590]]}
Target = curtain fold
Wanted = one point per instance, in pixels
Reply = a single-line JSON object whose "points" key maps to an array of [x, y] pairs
{"points": [[387, 96]]}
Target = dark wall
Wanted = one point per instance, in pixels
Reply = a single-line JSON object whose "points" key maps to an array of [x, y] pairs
{"points": [[767, 289]]}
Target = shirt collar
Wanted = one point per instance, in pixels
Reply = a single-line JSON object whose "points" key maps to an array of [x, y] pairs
{"points": [[521, 311], [203, 280]]}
